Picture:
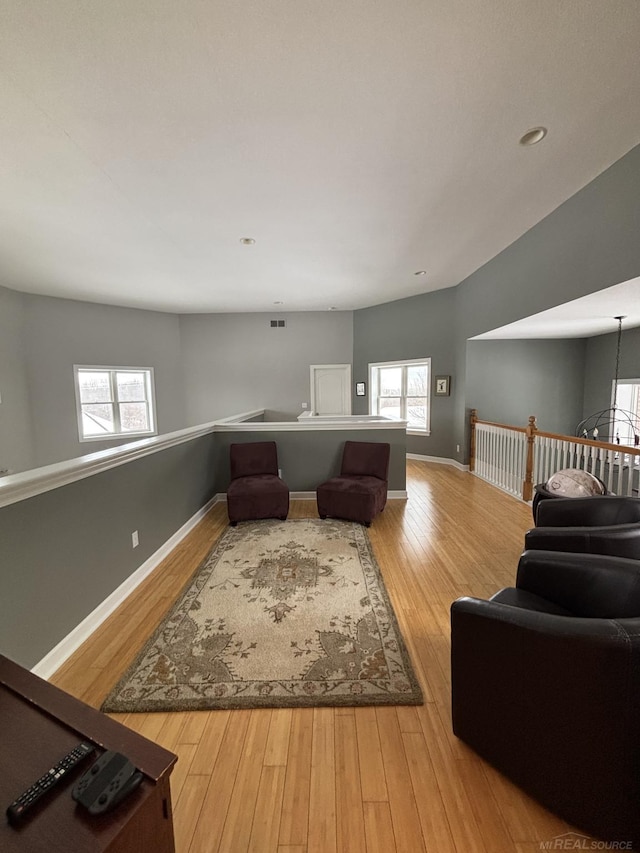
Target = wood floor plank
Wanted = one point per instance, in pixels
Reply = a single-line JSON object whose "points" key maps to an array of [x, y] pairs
{"points": [[378, 828], [322, 788], [185, 753], [196, 725], [407, 829], [433, 814], [210, 742], [373, 782], [210, 826], [237, 829], [294, 821], [266, 819], [187, 810], [350, 836], [169, 733], [366, 779], [487, 814], [277, 749]]}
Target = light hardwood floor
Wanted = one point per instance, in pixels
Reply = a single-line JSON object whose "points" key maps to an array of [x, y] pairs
{"points": [[355, 780]]}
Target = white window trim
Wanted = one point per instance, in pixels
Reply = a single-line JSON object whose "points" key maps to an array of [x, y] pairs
{"points": [[613, 391], [373, 388], [116, 436]]}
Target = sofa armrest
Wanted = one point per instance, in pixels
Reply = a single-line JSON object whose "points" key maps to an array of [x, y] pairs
{"points": [[552, 702], [618, 540], [586, 512], [591, 585]]}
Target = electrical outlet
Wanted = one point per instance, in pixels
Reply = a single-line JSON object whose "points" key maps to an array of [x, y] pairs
{"points": [[457, 448], [304, 405], [134, 539], [280, 473]]}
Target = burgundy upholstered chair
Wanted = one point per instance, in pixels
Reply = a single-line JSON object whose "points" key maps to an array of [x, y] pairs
{"points": [[256, 490], [360, 492]]}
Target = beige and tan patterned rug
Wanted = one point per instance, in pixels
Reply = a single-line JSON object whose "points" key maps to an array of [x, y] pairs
{"points": [[280, 614]]}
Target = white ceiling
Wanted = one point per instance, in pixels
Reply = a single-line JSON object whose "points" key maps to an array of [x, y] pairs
{"points": [[356, 142]]}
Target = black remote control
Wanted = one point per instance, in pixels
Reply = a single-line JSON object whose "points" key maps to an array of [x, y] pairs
{"points": [[18, 809]]}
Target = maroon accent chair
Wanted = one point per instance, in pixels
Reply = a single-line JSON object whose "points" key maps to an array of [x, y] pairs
{"points": [[360, 492], [256, 490]]}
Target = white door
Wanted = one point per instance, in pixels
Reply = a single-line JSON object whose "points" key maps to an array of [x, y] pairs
{"points": [[331, 389]]}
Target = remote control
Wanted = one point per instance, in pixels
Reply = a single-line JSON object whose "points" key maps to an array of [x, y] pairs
{"points": [[18, 809]]}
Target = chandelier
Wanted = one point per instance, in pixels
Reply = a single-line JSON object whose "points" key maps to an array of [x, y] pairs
{"points": [[607, 422]]}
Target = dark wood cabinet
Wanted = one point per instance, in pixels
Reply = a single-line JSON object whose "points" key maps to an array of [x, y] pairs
{"points": [[39, 724]]}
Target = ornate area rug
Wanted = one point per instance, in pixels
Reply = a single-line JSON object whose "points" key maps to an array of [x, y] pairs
{"points": [[280, 614]]}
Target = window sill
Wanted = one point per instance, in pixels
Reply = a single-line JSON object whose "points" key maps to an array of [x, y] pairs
{"points": [[117, 436], [425, 432]]}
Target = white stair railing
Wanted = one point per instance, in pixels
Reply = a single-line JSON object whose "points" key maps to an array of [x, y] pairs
{"points": [[501, 456], [515, 458], [617, 467]]}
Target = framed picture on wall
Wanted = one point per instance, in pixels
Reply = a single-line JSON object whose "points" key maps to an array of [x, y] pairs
{"points": [[443, 386], [361, 389]]}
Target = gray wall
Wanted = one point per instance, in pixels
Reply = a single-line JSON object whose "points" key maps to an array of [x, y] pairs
{"points": [[308, 457], [419, 327], [588, 243], [509, 380], [205, 367], [60, 333], [236, 362], [600, 367], [16, 444], [63, 552]]}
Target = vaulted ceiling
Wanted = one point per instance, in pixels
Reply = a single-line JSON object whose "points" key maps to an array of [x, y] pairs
{"points": [[357, 143]]}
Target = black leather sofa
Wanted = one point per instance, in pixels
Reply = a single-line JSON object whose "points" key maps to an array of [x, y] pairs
{"points": [[546, 686], [606, 524]]}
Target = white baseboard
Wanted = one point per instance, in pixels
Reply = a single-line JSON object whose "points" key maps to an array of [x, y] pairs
{"points": [[67, 646], [439, 459], [311, 496]]}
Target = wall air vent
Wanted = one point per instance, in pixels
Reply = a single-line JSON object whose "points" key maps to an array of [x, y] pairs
{"points": [[278, 324]]}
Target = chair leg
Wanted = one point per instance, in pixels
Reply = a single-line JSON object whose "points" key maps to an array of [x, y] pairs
{"points": [[323, 517], [233, 523]]}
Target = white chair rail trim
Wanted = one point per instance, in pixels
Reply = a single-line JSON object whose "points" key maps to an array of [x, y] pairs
{"points": [[19, 487], [28, 484]]}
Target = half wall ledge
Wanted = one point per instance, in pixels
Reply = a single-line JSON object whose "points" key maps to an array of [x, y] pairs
{"points": [[28, 484]]}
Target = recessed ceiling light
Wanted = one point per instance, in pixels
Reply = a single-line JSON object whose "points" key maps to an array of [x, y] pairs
{"points": [[277, 303], [247, 241], [420, 272], [333, 308], [531, 137]]}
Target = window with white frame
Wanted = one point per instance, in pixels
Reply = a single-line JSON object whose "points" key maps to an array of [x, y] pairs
{"points": [[400, 389], [114, 401], [627, 421]]}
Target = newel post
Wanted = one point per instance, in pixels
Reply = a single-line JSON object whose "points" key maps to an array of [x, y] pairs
{"points": [[472, 445], [527, 486]]}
